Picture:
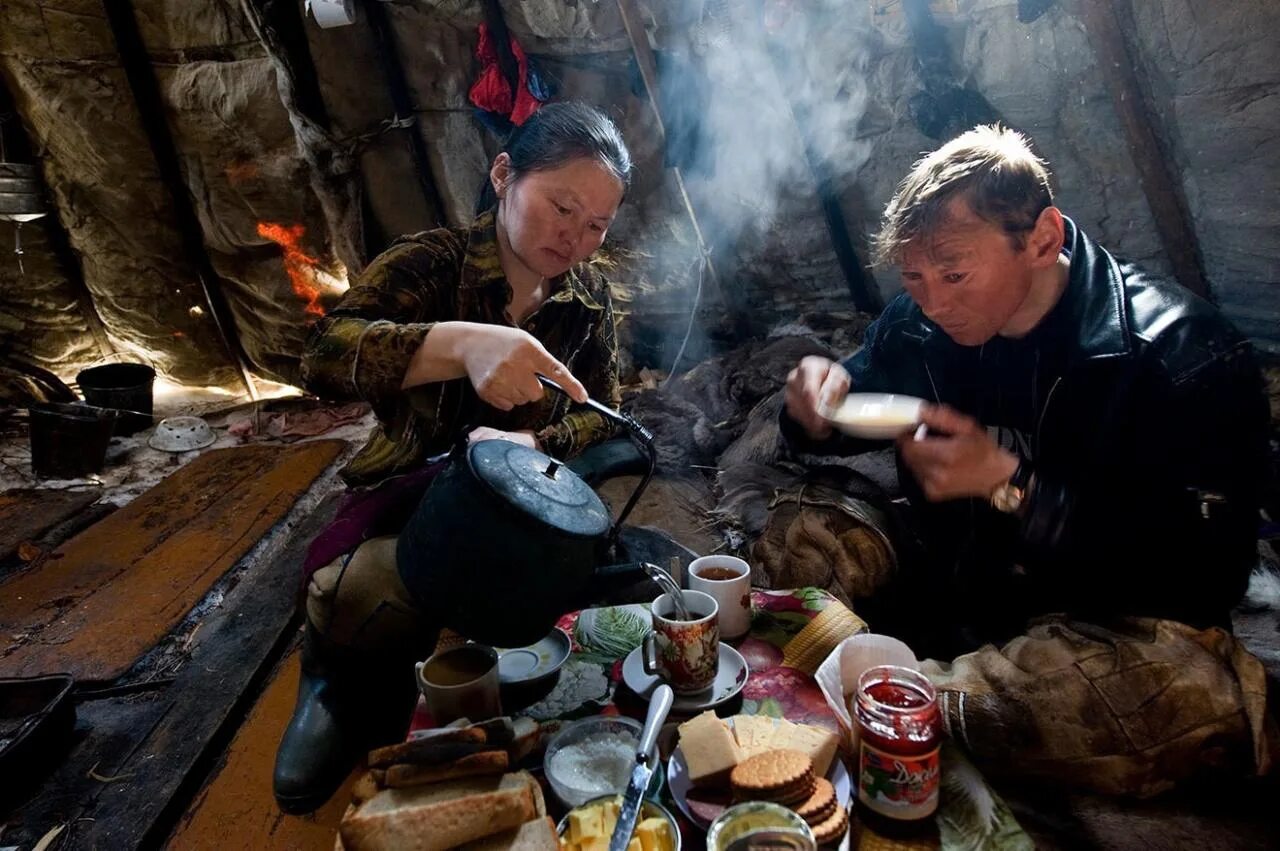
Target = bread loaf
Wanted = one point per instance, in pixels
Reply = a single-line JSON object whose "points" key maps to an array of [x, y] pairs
{"points": [[441, 815], [537, 835]]}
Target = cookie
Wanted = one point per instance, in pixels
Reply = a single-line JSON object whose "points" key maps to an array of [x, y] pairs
{"points": [[819, 806], [789, 796], [833, 829], [764, 776]]}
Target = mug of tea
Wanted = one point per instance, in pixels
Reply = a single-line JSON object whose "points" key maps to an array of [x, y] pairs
{"points": [[461, 682], [684, 653], [728, 579]]}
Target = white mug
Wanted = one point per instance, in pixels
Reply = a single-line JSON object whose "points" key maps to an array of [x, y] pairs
{"points": [[728, 580]]}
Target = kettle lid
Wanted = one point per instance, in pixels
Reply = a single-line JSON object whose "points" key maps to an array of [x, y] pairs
{"points": [[539, 486]]}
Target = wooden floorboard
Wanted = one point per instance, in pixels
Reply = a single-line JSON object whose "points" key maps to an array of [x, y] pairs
{"points": [[240, 794], [26, 514], [160, 747], [107, 596]]}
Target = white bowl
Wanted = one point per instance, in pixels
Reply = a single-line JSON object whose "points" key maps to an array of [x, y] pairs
{"points": [[573, 794], [181, 434], [876, 416]]}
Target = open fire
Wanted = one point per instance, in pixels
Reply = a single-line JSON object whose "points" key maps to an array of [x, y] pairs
{"points": [[306, 274]]}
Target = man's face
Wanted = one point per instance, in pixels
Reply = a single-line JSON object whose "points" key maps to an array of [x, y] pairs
{"points": [[969, 279]]}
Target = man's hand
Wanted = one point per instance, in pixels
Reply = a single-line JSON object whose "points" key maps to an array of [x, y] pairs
{"points": [[817, 384], [524, 438], [958, 459]]}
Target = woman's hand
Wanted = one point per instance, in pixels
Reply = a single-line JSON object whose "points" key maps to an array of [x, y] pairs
{"points": [[817, 384], [958, 459], [503, 364], [524, 437]]}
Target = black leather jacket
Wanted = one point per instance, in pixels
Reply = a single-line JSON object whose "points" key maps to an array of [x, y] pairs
{"points": [[1141, 410]]}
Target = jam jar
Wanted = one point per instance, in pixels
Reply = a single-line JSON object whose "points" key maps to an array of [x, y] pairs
{"points": [[896, 710]]}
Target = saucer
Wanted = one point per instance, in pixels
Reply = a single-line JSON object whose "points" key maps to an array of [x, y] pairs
{"points": [[731, 676], [524, 665]]}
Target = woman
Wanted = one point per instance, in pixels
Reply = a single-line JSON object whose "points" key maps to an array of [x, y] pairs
{"points": [[445, 330]]}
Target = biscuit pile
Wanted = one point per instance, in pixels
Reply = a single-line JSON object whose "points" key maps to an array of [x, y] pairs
{"points": [[786, 777]]}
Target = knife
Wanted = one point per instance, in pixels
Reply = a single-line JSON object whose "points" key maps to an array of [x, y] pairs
{"points": [[659, 706]]}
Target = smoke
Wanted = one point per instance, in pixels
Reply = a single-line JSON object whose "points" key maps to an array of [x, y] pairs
{"points": [[788, 91], [778, 93]]}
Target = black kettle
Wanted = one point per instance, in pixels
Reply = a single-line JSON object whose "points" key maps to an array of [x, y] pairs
{"points": [[507, 539]]}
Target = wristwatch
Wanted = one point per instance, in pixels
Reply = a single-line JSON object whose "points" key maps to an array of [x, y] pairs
{"points": [[1010, 494]]}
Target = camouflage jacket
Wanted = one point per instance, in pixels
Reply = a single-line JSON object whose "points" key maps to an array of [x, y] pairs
{"points": [[363, 347]]}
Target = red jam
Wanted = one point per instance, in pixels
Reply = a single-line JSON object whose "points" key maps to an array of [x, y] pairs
{"points": [[896, 710]]}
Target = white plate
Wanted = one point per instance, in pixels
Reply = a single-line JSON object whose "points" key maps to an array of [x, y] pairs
{"points": [[877, 416], [678, 783], [731, 676], [541, 659]]}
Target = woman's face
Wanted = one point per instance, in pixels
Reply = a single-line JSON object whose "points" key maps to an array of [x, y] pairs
{"points": [[555, 218]]}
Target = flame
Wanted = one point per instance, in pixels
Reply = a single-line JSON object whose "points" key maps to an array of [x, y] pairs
{"points": [[298, 265]]}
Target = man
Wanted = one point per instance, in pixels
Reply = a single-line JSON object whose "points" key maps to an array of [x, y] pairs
{"points": [[1095, 440]]}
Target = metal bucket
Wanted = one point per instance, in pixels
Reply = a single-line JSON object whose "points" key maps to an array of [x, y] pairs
{"points": [[21, 193], [124, 387], [69, 441]]}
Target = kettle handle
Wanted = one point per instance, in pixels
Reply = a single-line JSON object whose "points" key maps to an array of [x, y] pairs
{"points": [[638, 433]]}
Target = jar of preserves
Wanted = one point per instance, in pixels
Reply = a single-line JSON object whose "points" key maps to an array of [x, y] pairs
{"points": [[760, 826], [896, 710]]}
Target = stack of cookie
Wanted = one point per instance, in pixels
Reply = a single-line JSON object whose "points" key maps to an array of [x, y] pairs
{"points": [[828, 819], [786, 777]]}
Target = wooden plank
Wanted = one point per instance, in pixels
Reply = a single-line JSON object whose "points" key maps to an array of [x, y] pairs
{"points": [[27, 513], [108, 595], [240, 791], [1164, 193], [176, 737]]}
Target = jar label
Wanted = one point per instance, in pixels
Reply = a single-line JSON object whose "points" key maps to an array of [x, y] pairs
{"points": [[898, 787]]}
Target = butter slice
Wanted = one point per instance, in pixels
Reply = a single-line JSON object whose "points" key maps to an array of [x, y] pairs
{"points": [[652, 833], [609, 819], [585, 824], [595, 843], [634, 845], [709, 749]]}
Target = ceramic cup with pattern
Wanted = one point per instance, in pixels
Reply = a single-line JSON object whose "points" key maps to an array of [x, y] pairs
{"points": [[684, 653]]}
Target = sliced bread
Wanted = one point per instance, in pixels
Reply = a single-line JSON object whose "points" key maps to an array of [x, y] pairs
{"points": [[441, 815], [536, 835]]}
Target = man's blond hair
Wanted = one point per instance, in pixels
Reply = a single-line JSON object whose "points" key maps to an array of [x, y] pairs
{"points": [[992, 167]]}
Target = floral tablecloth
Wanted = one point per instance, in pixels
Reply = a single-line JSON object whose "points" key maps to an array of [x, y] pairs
{"points": [[792, 631], [590, 682]]}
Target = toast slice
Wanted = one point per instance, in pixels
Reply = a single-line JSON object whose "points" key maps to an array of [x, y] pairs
{"points": [[487, 762]]}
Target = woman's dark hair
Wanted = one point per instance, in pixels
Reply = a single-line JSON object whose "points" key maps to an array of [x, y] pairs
{"points": [[557, 134]]}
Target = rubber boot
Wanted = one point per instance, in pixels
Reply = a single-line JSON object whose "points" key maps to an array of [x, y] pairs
{"points": [[348, 703]]}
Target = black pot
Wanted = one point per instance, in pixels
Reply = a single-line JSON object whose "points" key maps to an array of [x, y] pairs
{"points": [[507, 539], [504, 542]]}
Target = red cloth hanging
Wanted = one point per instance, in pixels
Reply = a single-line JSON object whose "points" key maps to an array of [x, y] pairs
{"points": [[491, 91]]}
